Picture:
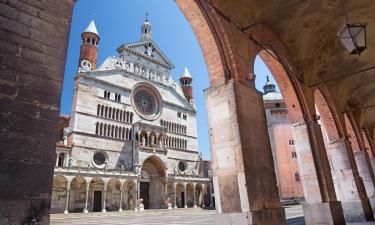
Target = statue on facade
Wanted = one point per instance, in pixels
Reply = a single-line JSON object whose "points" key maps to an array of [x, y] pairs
{"points": [[66, 133], [143, 141]]}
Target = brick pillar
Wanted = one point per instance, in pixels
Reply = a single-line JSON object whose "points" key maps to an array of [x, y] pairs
{"points": [[366, 172], [349, 185], [243, 171], [33, 45], [321, 206]]}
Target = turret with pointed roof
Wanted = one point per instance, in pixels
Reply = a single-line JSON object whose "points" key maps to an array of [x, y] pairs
{"points": [[146, 30], [186, 82], [270, 92], [89, 48]]}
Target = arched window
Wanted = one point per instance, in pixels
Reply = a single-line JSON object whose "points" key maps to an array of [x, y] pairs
{"points": [[60, 161], [101, 129], [136, 136], [105, 130], [116, 132], [98, 110], [109, 130], [120, 115], [112, 131], [296, 176], [130, 134], [106, 112], [127, 117], [96, 128], [127, 133], [117, 112], [102, 111], [131, 117]]}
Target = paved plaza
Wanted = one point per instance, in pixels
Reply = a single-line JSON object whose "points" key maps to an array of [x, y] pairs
{"points": [[154, 217]]}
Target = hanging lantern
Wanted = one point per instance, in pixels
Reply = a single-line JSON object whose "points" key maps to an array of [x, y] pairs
{"points": [[353, 37]]}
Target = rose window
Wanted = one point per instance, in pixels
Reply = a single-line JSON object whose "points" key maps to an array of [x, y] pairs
{"points": [[145, 103]]}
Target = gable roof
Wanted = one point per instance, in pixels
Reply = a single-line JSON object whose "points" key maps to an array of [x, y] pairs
{"points": [[91, 28], [141, 49]]}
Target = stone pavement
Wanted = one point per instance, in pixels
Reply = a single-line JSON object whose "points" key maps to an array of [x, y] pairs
{"points": [[294, 216], [156, 217]]}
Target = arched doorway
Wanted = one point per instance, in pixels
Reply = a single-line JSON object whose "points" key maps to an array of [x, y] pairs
{"points": [[152, 183]]}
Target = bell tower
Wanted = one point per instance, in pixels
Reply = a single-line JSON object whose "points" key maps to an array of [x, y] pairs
{"points": [[89, 48], [146, 30], [186, 83]]}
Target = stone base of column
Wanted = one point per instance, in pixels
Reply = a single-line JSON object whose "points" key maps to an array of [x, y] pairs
{"points": [[353, 211], [175, 207], [66, 212], [120, 209], [329, 213], [264, 217], [185, 206], [104, 210], [85, 211], [169, 206], [195, 206], [141, 207], [372, 202]]}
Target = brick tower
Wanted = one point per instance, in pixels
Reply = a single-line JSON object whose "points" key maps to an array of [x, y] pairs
{"points": [[186, 82], [89, 48]]}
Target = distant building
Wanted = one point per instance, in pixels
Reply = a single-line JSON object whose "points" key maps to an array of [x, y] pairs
{"points": [[132, 134], [282, 144]]}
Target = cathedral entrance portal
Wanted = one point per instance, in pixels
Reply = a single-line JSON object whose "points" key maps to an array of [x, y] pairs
{"points": [[97, 207], [145, 190], [152, 183]]}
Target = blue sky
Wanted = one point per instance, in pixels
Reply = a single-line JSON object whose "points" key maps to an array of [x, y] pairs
{"points": [[119, 22]]}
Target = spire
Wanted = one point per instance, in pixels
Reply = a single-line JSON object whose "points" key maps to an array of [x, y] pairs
{"points": [[186, 74], [91, 28], [269, 87], [146, 30]]}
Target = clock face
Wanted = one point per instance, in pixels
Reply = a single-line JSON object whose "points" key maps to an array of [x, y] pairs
{"points": [[86, 65]]}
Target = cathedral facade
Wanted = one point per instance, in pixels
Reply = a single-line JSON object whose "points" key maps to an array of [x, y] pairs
{"points": [[131, 139]]}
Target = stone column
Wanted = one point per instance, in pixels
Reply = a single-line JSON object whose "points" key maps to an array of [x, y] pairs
{"points": [[202, 196], [175, 195], [121, 193], [104, 196], [350, 188], [67, 197], [194, 197], [321, 206], [85, 210], [366, 172], [185, 196], [243, 170]]}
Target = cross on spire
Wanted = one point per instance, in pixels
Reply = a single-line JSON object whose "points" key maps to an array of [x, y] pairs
{"points": [[146, 16]]}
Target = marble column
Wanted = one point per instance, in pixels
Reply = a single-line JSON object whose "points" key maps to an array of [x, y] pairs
{"points": [[85, 210], [349, 185], [321, 205], [67, 197], [194, 197], [104, 196], [366, 172], [244, 175], [121, 193], [185, 196], [202, 196], [175, 195]]}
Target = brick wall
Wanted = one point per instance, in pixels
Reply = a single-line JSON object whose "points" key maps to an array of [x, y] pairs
{"points": [[33, 43]]}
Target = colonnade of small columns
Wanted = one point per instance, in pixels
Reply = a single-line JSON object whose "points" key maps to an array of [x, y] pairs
{"points": [[136, 192], [105, 188]]}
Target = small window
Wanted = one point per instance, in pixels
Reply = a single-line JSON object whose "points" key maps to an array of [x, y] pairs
{"points": [[99, 158], [296, 176], [182, 166], [179, 114], [277, 105], [291, 142], [294, 155], [185, 117], [61, 159]]}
